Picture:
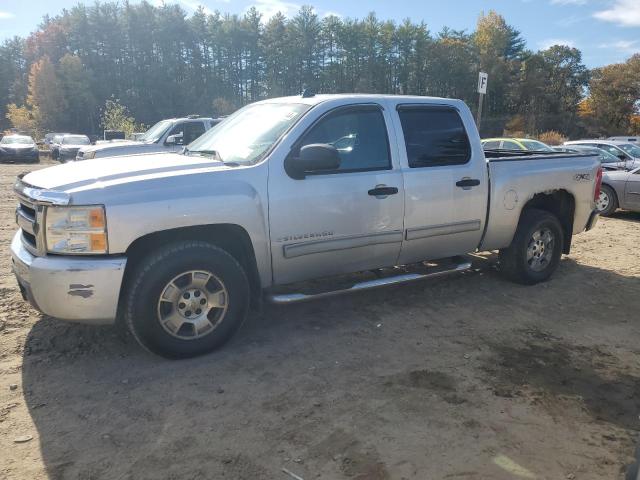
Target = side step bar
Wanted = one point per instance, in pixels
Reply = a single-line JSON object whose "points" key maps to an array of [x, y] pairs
{"points": [[287, 298]]}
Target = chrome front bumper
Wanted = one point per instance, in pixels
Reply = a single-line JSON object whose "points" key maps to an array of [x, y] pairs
{"points": [[79, 289]]}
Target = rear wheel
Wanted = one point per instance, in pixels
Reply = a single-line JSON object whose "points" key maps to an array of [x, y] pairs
{"points": [[607, 202], [536, 249], [186, 299]]}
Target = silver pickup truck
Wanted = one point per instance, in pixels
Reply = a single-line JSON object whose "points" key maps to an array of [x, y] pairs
{"points": [[179, 246]]}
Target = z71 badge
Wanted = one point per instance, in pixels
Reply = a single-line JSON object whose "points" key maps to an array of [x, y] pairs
{"points": [[582, 177]]}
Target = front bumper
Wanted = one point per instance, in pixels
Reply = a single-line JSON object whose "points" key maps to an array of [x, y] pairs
{"points": [[80, 289], [21, 157], [593, 220]]}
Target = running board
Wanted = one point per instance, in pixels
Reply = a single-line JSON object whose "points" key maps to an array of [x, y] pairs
{"points": [[286, 298]]}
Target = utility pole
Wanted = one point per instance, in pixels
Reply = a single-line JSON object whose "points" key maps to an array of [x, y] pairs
{"points": [[483, 79]]}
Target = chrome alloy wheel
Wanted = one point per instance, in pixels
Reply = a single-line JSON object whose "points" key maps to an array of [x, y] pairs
{"points": [[192, 304], [603, 201], [540, 249]]}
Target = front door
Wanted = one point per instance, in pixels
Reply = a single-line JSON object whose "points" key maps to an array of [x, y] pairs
{"points": [[445, 183], [345, 220]]}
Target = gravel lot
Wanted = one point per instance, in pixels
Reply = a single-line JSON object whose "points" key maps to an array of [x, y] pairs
{"points": [[468, 377]]}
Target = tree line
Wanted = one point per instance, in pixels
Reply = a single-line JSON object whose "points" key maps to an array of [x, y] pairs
{"points": [[160, 62]]}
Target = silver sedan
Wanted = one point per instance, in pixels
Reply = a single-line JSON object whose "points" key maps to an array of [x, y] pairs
{"points": [[620, 189]]}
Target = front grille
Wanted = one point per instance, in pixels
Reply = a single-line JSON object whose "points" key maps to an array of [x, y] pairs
{"points": [[27, 219], [29, 240], [28, 210]]}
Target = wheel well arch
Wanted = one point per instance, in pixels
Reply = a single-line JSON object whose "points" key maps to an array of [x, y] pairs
{"points": [[615, 194], [232, 238], [560, 203]]}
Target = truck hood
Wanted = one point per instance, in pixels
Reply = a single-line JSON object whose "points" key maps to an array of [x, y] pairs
{"points": [[102, 172]]}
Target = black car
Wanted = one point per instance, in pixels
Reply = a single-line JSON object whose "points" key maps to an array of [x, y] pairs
{"points": [[18, 148]]}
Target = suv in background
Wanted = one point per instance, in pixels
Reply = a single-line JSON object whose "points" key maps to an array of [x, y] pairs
{"points": [[169, 135], [625, 139]]}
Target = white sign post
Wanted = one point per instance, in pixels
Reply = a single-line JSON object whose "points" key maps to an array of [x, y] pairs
{"points": [[483, 80]]}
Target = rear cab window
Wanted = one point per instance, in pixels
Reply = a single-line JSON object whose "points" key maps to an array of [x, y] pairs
{"points": [[434, 136]]}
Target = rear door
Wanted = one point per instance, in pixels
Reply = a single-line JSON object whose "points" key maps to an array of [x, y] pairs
{"points": [[445, 184], [334, 222]]}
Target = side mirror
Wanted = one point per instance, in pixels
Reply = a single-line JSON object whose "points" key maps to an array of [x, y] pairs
{"points": [[174, 139], [316, 157], [622, 156]]}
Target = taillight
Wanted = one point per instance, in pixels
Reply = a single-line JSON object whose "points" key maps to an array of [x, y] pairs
{"points": [[596, 194]]}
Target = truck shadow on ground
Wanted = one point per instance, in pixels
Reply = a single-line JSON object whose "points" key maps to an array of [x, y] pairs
{"points": [[318, 387], [627, 215]]}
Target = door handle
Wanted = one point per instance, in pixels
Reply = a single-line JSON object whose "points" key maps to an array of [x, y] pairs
{"points": [[383, 191], [468, 183]]}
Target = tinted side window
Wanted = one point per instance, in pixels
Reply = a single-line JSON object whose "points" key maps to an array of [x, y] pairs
{"points": [[359, 135], [434, 136], [492, 145], [192, 131]]}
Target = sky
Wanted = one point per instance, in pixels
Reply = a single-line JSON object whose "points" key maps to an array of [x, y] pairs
{"points": [[606, 31]]}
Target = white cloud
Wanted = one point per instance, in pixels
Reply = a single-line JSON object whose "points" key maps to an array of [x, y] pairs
{"points": [[625, 13], [550, 42], [269, 8], [6, 15], [623, 46]]}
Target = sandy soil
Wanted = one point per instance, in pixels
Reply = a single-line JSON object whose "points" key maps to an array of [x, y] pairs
{"points": [[469, 377]]}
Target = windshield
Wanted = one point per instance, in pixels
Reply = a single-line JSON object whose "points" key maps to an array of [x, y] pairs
{"points": [[632, 150], [17, 139], [536, 145], [76, 140], [155, 133], [247, 135], [603, 155]]}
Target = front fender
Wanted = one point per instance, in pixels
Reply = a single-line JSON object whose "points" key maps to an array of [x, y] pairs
{"points": [[236, 197]]}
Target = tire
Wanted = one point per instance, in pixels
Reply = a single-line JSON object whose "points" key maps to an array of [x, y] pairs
{"points": [[166, 272], [533, 256], [607, 203]]}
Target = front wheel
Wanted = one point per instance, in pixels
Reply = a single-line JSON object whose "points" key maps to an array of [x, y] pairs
{"points": [[536, 249], [186, 299]]}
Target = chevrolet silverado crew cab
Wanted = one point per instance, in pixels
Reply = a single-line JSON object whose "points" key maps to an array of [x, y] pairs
{"points": [[169, 135], [178, 246]]}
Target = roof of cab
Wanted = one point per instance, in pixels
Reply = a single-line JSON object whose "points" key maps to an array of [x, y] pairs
{"points": [[321, 98]]}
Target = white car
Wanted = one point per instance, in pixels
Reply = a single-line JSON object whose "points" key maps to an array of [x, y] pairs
{"points": [[625, 151], [169, 135]]}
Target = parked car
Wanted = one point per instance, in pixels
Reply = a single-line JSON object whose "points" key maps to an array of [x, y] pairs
{"points": [[68, 146], [628, 139], [182, 244], [18, 148], [625, 151], [515, 144], [620, 189], [608, 160], [48, 138], [169, 135]]}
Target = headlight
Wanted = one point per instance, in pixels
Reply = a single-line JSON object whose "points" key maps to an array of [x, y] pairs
{"points": [[76, 230], [89, 155]]}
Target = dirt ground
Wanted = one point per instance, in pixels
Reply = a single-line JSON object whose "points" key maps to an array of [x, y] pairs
{"points": [[468, 377]]}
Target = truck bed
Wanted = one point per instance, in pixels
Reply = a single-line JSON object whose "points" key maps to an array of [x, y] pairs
{"points": [[515, 177]]}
